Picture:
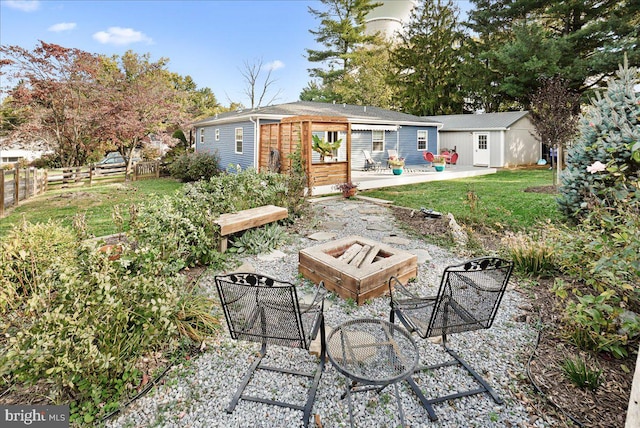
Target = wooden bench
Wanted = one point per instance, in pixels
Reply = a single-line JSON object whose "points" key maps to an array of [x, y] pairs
{"points": [[246, 219]]}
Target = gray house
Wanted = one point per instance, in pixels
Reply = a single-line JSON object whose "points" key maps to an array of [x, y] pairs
{"points": [[241, 137], [490, 139]]}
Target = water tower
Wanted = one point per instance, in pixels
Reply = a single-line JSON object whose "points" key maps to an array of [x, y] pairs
{"points": [[389, 17]]}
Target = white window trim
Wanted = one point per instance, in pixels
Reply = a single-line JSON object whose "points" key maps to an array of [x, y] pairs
{"points": [[383, 141], [202, 135], [217, 133], [235, 146], [426, 140]]}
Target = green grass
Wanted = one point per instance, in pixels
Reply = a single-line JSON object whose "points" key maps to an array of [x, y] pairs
{"points": [[500, 199], [95, 202]]}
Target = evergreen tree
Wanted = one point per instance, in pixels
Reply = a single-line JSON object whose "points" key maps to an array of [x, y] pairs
{"points": [[584, 47], [341, 33], [368, 81], [428, 60], [602, 167]]}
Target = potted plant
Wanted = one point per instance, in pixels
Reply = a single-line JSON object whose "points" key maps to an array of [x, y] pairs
{"points": [[348, 189], [325, 148], [439, 162], [397, 165]]}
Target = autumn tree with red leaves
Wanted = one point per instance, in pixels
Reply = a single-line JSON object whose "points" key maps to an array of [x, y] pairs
{"points": [[58, 95], [84, 104], [138, 99]]}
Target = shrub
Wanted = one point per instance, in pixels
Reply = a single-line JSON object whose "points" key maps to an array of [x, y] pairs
{"points": [[195, 166], [89, 319], [601, 167], [177, 230], [28, 255], [245, 189], [595, 324], [602, 251], [601, 256]]}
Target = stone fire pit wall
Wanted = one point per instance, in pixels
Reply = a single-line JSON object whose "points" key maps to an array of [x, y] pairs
{"points": [[355, 267]]}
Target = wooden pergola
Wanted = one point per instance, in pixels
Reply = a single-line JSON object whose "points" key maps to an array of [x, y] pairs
{"points": [[294, 132]]}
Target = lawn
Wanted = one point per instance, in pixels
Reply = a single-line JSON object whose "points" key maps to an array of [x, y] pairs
{"points": [[498, 201], [95, 202]]}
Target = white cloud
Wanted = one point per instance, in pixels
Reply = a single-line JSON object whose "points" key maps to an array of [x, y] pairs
{"points": [[121, 36], [62, 26], [23, 5], [274, 65]]}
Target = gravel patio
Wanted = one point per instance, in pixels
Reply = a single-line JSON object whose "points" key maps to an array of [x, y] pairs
{"points": [[196, 393]]}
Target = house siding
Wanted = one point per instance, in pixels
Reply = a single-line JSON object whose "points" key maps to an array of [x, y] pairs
{"points": [[521, 147], [226, 145], [461, 142], [405, 141], [409, 143]]}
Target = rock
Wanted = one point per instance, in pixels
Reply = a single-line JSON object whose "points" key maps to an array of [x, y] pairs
{"points": [[459, 235], [322, 236]]}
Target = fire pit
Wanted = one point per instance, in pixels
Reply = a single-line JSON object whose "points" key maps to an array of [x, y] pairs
{"points": [[356, 267]]}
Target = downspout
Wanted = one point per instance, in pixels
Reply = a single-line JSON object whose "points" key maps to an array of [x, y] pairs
{"points": [[503, 149], [256, 149]]}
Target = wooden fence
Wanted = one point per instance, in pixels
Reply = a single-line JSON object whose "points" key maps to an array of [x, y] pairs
{"points": [[93, 173], [20, 184]]}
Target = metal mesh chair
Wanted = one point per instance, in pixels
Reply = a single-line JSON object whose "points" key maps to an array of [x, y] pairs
{"points": [[262, 309], [467, 300]]}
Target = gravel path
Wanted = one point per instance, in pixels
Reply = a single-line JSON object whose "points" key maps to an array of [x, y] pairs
{"points": [[196, 394]]}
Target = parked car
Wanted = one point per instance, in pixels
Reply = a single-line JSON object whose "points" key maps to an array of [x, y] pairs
{"points": [[114, 158]]}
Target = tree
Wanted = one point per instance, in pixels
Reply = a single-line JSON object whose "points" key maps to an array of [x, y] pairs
{"points": [[603, 166], [10, 117], [139, 99], [554, 114], [57, 93], [254, 90], [198, 103], [341, 33], [428, 60], [583, 47], [368, 82]]}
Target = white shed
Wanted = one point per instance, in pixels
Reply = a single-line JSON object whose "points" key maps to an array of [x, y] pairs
{"points": [[495, 140]]}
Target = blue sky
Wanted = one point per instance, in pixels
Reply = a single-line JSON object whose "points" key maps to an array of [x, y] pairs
{"points": [[208, 40]]}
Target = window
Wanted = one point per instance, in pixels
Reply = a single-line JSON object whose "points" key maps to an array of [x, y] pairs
{"points": [[217, 134], [377, 141], [482, 141], [422, 140], [238, 140], [201, 135], [332, 136]]}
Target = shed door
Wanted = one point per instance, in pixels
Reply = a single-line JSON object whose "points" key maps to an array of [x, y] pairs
{"points": [[481, 154]]}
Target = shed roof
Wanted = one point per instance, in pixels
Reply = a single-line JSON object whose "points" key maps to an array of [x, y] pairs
{"points": [[353, 113], [483, 121]]}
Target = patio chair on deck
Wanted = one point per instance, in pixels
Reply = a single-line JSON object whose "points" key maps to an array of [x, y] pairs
{"points": [[453, 159], [468, 299], [369, 163], [429, 157], [261, 309]]}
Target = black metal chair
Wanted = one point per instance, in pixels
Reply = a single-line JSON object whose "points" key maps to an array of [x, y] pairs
{"points": [[262, 309], [468, 299]]}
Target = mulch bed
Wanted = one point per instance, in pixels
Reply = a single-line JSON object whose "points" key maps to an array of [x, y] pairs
{"points": [[560, 399]]}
